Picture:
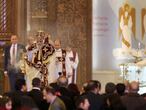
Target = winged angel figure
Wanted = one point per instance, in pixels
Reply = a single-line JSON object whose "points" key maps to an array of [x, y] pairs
{"points": [[127, 25]]}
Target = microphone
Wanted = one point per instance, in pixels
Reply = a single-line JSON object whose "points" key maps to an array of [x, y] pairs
{"points": [[59, 73]]}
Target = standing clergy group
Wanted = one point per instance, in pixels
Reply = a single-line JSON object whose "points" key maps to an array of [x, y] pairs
{"points": [[43, 59], [66, 61]]}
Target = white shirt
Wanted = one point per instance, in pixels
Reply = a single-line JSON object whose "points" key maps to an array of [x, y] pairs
{"points": [[11, 51]]}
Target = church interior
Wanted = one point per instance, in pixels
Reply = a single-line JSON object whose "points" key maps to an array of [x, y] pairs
{"points": [[69, 21], [109, 37]]}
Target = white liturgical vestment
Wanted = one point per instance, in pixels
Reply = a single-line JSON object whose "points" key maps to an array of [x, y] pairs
{"points": [[73, 64], [62, 62]]}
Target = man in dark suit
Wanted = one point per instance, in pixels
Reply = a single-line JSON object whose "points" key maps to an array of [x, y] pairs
{"points": [[93, 96], [12, 55], [37, 95], [132, 100]]}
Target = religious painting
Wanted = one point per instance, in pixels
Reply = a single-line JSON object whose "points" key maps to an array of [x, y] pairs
{"points": [[127, 24], [143, 22]]}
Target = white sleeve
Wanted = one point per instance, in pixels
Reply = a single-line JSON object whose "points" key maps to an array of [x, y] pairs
{"points": [[68, 65], [75, 63]]}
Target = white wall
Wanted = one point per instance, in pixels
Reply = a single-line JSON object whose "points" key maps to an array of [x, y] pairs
{"points": [[105, 37], [107, 76]]}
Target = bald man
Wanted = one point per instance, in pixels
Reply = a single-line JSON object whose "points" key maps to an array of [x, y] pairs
{"points": [[62, 61], [12, 55], [134, 87], [132, 100]]}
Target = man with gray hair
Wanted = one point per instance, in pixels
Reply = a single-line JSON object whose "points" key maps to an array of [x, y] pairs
{"points": [[62, 81]]}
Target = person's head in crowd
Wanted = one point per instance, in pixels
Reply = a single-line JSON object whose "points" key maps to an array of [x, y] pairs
{"points": [[57, 44], [120, 88], [84, 87], [82, 103], [5, 103], [62, 81], [36, 82], [55, 86], [49, 94], [20, 85], [74, 88], [14, 39], [134, 87], [94, 86], [110, 88], [99, 84]]}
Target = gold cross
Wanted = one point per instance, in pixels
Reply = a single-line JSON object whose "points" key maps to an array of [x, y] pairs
{"points": [[45, 49], [61, 59]]}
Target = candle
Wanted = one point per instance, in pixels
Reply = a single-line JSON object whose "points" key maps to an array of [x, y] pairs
{"points": [[139, 45]]}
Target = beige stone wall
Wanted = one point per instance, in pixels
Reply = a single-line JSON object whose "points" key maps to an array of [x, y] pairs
{"points": [[72, 28]]}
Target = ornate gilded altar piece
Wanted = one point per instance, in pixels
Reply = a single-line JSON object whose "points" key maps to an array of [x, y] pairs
{"points": [[132, 63]]}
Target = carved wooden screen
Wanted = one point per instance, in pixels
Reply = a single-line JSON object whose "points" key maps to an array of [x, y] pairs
{"points": [[7, 19], [39, 15]]}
